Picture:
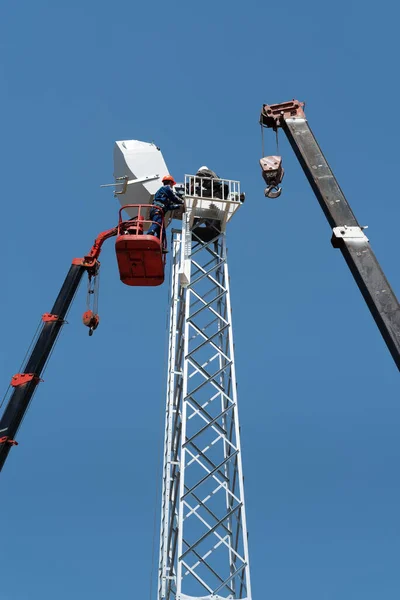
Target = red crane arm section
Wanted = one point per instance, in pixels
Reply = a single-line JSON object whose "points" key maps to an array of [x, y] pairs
{"points": [[90, 260], [99, 241]]}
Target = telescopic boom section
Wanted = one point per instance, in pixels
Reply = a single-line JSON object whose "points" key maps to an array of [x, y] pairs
{"points": [[24, 383], [347, 235]]}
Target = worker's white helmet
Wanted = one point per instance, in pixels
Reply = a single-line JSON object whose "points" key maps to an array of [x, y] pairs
{"points": [[203, 169]]}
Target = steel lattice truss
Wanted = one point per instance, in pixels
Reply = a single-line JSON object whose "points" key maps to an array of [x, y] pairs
{"points": [[203, 544]]}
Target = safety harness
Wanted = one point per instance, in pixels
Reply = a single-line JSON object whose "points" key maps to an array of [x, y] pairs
{"points": [[159, 206]]}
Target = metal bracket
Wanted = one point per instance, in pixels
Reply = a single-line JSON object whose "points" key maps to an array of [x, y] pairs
{"points": [[49, 318], [126, 181], [349, 234], [6, 440], [23, 378], [272, 115]]}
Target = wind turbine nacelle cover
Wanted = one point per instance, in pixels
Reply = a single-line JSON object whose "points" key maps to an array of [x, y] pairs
{"points": [[138, 160]]}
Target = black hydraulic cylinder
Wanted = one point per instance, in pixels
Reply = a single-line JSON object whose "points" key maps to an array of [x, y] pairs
{"points": [[36, 361], [347, 234]]}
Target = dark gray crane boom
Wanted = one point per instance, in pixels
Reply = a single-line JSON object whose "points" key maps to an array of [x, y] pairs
{"points": [[24, 384], [347, 235]]}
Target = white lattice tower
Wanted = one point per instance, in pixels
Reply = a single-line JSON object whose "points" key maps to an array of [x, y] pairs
{"points": [[203, 542]]}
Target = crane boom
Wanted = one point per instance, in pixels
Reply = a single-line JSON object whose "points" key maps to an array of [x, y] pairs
{"points": [[347, 235], [24, 384]]}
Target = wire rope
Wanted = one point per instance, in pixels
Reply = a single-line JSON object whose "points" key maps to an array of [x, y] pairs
{"points": [[262, 140]]}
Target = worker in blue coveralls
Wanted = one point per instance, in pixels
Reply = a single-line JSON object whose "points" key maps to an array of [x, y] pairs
{"points": [[164, 200]]}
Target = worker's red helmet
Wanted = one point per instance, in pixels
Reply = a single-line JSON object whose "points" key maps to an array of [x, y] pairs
{"points": [[168, 179]]}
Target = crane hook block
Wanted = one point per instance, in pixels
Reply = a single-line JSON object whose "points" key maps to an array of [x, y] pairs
{"points": [[272, 172], [91, 320]]}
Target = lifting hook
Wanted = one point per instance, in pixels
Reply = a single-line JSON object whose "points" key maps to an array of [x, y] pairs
{"points": [[270, 193], [91, 320], [272, 172]]}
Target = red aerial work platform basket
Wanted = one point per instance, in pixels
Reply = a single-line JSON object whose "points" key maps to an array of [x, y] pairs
{"points": [[140, 257]]}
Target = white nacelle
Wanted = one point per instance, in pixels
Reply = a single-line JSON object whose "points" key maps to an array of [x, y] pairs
{"points": [[141, 161]]}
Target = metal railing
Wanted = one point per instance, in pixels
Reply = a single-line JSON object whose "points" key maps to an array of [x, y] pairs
{"points": [[227, 190], [139, 224]]}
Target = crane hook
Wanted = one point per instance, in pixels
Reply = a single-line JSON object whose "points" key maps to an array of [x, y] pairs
{"points": [[91, 320], [272, 172], [270, 193]]}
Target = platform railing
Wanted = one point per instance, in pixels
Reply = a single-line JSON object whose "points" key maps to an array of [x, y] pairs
{"points": [[227, 190], [139, 224]]}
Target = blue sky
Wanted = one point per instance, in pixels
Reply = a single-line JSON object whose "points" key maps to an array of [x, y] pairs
{"points": [[318, 391]]}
